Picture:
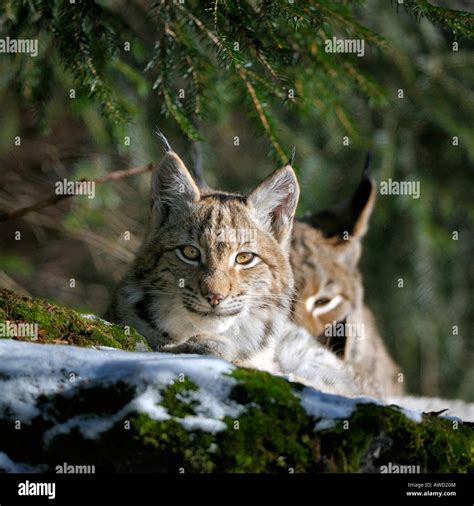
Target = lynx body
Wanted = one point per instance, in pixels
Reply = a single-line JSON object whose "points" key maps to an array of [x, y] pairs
{"points": [[213, 276], [329, 300]]}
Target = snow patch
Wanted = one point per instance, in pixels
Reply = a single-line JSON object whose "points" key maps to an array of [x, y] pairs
{"points": [[457, 410], [95, 318], [325, 423], [29, 370], [329, 407], [8, 466], [203, 423], [415, 416]]}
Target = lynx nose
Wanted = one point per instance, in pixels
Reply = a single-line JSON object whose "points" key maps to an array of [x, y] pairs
{"points": [[215, 298]]}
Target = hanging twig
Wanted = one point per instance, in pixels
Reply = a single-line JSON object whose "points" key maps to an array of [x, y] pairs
{"points": [[54, 199]]}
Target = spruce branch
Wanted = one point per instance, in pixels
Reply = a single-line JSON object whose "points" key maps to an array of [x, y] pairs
{"points": [[264, 120], [459, 23]]}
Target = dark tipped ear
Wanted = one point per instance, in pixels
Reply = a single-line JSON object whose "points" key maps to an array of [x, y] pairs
{"points": [[274, 202], [350, 218], [361, 206], [172, 187]]}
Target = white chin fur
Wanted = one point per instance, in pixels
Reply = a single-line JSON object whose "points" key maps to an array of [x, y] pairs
{"points": [[180, 322], [210, 324]]}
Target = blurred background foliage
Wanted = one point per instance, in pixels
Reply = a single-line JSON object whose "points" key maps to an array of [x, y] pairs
{"points": [[135, 65]]}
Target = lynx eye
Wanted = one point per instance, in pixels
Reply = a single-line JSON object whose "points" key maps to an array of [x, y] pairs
{"points": [[245, 258], [188, 252], [321, 302]]}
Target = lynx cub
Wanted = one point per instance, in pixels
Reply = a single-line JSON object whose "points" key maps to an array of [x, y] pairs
{"points": [[325, 250], [213, 276]]}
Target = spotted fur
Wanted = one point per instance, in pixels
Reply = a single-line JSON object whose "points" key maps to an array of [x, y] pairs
{"points": [[329, 296], [168, 299]]}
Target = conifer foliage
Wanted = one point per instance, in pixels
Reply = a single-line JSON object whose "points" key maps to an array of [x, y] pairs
{"points": [[270, 52]]}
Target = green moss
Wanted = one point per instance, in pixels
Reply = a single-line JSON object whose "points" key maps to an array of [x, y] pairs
{"points": [[176, 399], [87, 400], [433, 444], [59, 325], [273, 433], [173, 446]]}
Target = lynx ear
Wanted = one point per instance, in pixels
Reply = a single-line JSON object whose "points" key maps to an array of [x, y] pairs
{"points": [[274, 202], [348, 252], [172, 187], [350, 218], [360, 207]]}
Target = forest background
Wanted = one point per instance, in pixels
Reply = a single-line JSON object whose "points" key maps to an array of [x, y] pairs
{"points": [[235, 85]]}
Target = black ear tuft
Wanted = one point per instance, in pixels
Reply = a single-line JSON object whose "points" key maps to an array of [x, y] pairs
{"points": [[350, 217]]}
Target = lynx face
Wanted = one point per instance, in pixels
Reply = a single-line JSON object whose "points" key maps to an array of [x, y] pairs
{"points": [[203, 277], [213, 265], [328, 285]]}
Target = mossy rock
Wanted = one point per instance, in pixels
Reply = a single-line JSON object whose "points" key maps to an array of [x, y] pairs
{"points": [[155, 412], [60, 325]]}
